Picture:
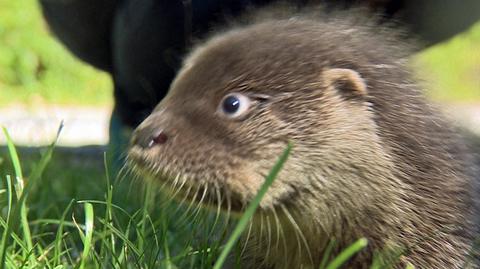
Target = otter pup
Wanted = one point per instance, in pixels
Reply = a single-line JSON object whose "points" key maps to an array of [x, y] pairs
{"points": [[370, 159]]}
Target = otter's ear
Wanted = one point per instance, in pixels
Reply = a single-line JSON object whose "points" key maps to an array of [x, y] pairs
{"points": [[346, 82]]}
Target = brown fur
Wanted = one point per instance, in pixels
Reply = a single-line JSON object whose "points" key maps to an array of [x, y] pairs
{"points": [[370, 158]]}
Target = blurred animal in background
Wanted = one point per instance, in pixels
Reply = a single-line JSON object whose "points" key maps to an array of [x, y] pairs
{"points": [[141, 43]]}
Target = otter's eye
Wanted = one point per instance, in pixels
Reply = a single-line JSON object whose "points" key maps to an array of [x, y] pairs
{"points": [[235, 105]]}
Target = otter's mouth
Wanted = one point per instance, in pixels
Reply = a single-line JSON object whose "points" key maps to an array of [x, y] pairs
{"points": [[183, 188]]}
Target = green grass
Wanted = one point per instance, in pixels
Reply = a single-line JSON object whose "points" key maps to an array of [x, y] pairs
{"points": [[100, 228], [452, 69], [36, 68], [112, 227], [78, 218]]}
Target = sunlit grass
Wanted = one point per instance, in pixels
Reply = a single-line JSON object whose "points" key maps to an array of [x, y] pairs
{"points": [[113, 232], [110, 232], [452, 69], [119, 226], [36, 68], [127, 234]]}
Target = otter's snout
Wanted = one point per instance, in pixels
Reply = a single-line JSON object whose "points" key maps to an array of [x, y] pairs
{"points": [[148, 138], [148, 135]]}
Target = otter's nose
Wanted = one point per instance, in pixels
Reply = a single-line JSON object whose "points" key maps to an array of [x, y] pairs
{"points": [[148, 138]]}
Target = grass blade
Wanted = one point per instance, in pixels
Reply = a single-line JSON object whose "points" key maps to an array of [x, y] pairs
{"points": [[87, 242], [19, 188], [20, 209], [410, 266], [59, 235], [19, 185], [347, 253], [327, 253], [13, 154], [243, 222], [7, 228]]}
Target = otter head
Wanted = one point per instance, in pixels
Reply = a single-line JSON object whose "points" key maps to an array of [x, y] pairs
{"points": [[236, 104]]}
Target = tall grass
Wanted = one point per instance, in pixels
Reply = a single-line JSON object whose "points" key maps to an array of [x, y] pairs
{"points": [[99, 233], [116, 231]]}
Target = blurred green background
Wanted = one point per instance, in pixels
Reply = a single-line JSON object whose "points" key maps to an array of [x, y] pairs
{"points": [[452, 69], [35, 68]]}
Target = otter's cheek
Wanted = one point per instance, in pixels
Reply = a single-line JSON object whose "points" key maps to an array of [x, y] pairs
{"points": [[246, 186]]}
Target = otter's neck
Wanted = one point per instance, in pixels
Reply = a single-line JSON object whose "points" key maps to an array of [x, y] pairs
{"points": [[299, 232]]}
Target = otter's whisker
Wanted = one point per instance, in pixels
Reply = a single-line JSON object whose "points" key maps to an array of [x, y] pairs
{"points": [[229, 206], [189, 208], [261, 239], [278, 227], [219, 206], [175, 181], [198, 208], [269, 233], [298, 232], [245, 244], [219, 200], [184, 197], [122, 172], [183, 180], [168, 191]]}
